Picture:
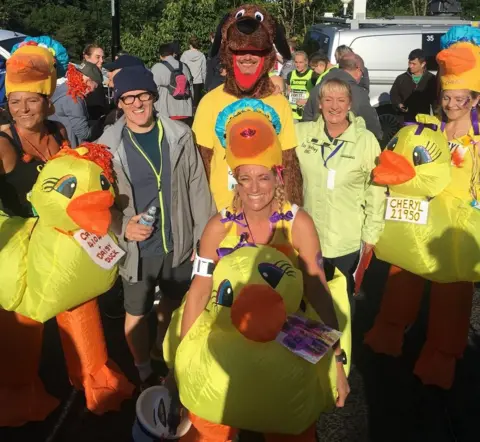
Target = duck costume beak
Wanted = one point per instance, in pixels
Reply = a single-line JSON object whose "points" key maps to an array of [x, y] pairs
{"points": [[259, 313], [91, 211], [393, 169]]}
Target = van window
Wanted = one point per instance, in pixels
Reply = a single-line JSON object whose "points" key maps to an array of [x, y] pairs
{"points": [[386, 52], [316, 41], [431, 47]]}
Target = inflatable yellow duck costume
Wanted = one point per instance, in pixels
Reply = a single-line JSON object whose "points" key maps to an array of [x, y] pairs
{"points": [[231, 371], [46, 272], [432, 229]]}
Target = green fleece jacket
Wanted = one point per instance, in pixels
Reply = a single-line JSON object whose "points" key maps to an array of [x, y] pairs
{"points": [[346, 206]]}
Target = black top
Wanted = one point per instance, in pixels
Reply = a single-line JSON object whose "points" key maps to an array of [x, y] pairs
{"points": [[16, 184], [417, 98]]}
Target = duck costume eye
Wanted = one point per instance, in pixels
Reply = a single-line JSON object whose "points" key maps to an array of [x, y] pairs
{"points": [[421, 156], [271, 273], [392, 144], [66, 186], [104, 182], [225, 294]]}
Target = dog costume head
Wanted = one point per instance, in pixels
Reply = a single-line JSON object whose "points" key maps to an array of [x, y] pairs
{"points": [[249, 30]]}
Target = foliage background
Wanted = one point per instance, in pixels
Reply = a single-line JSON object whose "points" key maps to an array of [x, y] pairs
{"points": [[145, 24]]}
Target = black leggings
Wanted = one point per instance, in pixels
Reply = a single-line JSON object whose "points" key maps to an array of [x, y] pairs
{"points": [[197, 94]]}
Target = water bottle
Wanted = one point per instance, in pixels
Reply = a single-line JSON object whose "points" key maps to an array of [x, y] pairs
{"points": [[147, 219]]}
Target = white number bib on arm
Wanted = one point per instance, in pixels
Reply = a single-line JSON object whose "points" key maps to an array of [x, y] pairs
{"points": [[408, 210], [102, 249]]}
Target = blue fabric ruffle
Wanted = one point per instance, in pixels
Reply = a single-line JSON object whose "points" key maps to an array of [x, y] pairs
{"points": [[243, 105], [61, 54], [458, 34]]}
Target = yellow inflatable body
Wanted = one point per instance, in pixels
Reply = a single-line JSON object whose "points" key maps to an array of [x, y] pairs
{"points": [[45, 270], [232, 371], [431, 228]]}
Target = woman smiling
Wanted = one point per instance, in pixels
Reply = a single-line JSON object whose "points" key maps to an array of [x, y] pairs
{"points": [[30, 140], [337, 155]]}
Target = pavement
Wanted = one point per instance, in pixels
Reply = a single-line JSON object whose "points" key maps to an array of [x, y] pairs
{"points": [[387, 402]]}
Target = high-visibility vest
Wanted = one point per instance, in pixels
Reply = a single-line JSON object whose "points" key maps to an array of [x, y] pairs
{"points": [[320, 78], [299, 90]]}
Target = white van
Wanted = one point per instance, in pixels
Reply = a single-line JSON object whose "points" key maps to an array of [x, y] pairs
{"points": [[384, 45]]}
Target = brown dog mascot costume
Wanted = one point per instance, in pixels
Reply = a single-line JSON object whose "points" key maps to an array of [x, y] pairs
{"points": [[246, 38]]}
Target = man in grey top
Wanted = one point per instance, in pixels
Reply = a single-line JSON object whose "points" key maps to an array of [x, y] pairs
{"points": [[351, 71], [174, 101], [156, 164]]}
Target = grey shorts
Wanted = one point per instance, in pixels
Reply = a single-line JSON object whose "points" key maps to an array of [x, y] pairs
{"points": [[174, 282]]}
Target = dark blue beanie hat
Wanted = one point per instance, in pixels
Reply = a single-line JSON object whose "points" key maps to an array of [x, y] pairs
{"points": [[133, 78]]}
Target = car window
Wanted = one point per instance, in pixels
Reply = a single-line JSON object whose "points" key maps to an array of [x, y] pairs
{"points": [[10, 42], [431, 47], [386, 52], [316, 41]]}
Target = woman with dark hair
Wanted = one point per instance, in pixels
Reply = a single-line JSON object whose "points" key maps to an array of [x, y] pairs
{"points": [[94, 54], [30, 140]]}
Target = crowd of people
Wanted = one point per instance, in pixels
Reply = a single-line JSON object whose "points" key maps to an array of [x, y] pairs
{"points": [[242, 146]]}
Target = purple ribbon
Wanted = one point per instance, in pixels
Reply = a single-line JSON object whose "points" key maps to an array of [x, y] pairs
{"points": [[232, 217], [422, 126], [224, 251], [476, 129], [276, 217]]}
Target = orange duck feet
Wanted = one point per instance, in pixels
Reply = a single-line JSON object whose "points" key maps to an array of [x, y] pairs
{"points": [[20, 404], [386, 338], [106, 389], [434, 367]]}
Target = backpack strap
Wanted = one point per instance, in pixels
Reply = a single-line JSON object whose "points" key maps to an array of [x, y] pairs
{"points": [[168, 65]]}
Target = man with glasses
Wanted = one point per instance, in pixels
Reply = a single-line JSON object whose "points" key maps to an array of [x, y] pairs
{"points": [[156, 165], [350, 70]]}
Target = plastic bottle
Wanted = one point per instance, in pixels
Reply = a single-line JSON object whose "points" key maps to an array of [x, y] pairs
{"points": [[147, 219]]}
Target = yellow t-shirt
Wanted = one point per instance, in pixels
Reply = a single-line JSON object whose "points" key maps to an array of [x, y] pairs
{"points": [[204, 128]]}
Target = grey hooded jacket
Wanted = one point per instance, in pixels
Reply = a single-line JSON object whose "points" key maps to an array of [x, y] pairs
{"points": [[73, 115], [191, 206], [197, 63]]}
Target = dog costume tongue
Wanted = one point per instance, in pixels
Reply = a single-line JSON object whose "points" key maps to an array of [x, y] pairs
{"points": [[246, 82]]}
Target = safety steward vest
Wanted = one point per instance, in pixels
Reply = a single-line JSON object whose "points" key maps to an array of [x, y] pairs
{"points": [[299, 90], [320, 78]]}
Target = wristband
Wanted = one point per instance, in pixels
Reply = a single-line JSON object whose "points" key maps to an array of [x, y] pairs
{"points": [[203, 267]]}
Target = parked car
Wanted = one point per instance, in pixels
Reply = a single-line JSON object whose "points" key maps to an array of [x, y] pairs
{"points": [[384, 44]]}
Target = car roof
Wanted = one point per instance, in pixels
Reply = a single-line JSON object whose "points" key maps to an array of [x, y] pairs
{"points": [[387, 29], [6, 35]]}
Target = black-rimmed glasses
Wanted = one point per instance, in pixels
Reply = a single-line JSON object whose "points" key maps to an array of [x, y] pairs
{"points": [[130, 99]]}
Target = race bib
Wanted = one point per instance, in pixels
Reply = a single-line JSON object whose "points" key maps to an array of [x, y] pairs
{"points": [[408, 210], [231, 180], [297, 95], [102, 249]]}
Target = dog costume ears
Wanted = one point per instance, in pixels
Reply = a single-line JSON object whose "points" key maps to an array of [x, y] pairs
{"points": [[217, 42], [280, 41]]}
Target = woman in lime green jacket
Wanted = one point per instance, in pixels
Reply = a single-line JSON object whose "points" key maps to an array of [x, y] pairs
{"points": [[337, 155]]}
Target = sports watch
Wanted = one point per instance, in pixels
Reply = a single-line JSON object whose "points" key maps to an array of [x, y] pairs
{"points": [[342, 357]]}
